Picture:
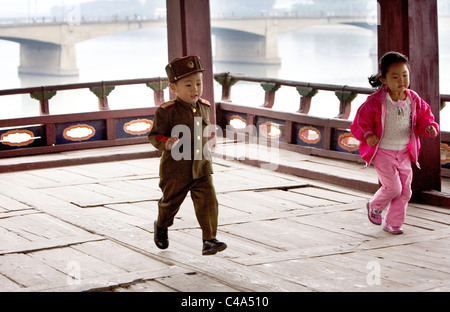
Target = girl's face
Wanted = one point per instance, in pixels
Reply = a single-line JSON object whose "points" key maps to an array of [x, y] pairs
{"points": [[397, 78], [189, 89]]}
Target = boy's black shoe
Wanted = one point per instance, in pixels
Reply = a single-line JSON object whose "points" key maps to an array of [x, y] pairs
{"points": [[213, 246], [160, 236]]}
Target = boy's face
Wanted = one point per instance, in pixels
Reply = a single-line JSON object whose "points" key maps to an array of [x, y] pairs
{"points": [[190, 88]]}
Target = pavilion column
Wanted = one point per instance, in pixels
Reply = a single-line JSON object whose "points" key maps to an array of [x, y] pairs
{"points": [[189, 33], [411, 27]]}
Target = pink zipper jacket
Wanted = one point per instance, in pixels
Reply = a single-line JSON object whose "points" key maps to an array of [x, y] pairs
{"points": [[370, 119]]}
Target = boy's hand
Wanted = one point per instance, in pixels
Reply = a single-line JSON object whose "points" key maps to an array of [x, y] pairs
{"points": [[171, 142], [372, 140], [431, 131]]}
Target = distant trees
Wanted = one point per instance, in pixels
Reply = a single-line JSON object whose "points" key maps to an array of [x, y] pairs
{"points": [[152, 8], [297, 7], [241, 7], [120, 9], [334, 7]]}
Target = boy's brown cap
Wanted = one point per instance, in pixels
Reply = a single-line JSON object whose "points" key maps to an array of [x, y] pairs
{"points": [[183, 66]]}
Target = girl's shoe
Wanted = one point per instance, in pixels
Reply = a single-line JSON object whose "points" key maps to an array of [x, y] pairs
{"points": [[393, 229], [374, 215]]}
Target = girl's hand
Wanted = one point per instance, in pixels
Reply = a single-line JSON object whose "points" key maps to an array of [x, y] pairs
{"points": [[372, 140], [431, 131], [171, 142]]}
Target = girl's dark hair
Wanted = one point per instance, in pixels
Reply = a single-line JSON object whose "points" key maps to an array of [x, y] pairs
{"points": [[383, 66]]}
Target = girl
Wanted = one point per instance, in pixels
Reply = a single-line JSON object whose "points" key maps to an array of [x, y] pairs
{"points": [[388, 125]]}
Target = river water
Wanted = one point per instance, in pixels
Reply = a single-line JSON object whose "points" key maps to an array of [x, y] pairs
{"points": [[336, 54]]}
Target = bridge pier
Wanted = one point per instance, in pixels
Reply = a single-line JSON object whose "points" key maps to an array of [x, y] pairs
{"points": [[234, 46], [237, 47], [41, 58]]}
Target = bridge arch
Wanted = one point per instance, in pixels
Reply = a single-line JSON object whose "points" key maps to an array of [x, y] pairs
{"points": [[256, 40], [49, 48]]}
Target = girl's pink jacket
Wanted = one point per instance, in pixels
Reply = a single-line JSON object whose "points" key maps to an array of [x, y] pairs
{"points": [[371, 116]]}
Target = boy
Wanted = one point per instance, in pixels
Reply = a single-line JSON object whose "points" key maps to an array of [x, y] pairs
{"points": [[178, 128]]}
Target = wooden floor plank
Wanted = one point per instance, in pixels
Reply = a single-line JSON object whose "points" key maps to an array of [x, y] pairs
{"points": [[436, 216], [102, 194], [316, 192], [119, 256], [194, 283], [55, 228], [138, 188], [145, 286], [76, 194], [27, 179], [9, 239], [10, 204], [107, 216], [145, 211], [108, 192], [416, 254], [26, 228], [18, 246], [365, 276], [284, 233], [75, 263], [240, 277], [113, 170], [7, 285], [315, 275], [109, 282], [304, 200], [38, 227], [402, 269], [62, 176], [27, 271], [265, 202], [351, 223]]}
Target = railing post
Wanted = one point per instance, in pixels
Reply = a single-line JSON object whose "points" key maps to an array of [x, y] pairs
{"points": [[102, 93], [158, 91], [226, 82], [307, 94], [346, 98], [270, 89], [43, 96], [50, 133]]}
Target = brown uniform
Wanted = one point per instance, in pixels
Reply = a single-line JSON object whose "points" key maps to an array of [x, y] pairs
{"points": [[191, 173]]}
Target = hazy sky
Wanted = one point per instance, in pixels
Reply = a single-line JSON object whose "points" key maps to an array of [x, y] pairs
{"points": [[13, 8], [17, 8]]}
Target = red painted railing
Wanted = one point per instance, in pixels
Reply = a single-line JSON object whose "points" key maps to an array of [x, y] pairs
{"points": [[298, 131], [49, 133]]}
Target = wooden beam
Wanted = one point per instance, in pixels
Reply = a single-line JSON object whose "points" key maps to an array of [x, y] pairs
{"points": [[393, 27], [411, 27], [424, 54], [189, 33]]}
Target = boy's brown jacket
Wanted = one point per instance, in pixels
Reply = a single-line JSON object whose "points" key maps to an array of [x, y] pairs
{"points": [[168, 116]]}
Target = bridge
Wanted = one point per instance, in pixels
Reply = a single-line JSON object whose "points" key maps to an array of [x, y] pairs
{"points": [[49, 48]]}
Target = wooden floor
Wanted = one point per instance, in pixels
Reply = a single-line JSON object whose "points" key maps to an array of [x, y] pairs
{"points": [[90, 228]]}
